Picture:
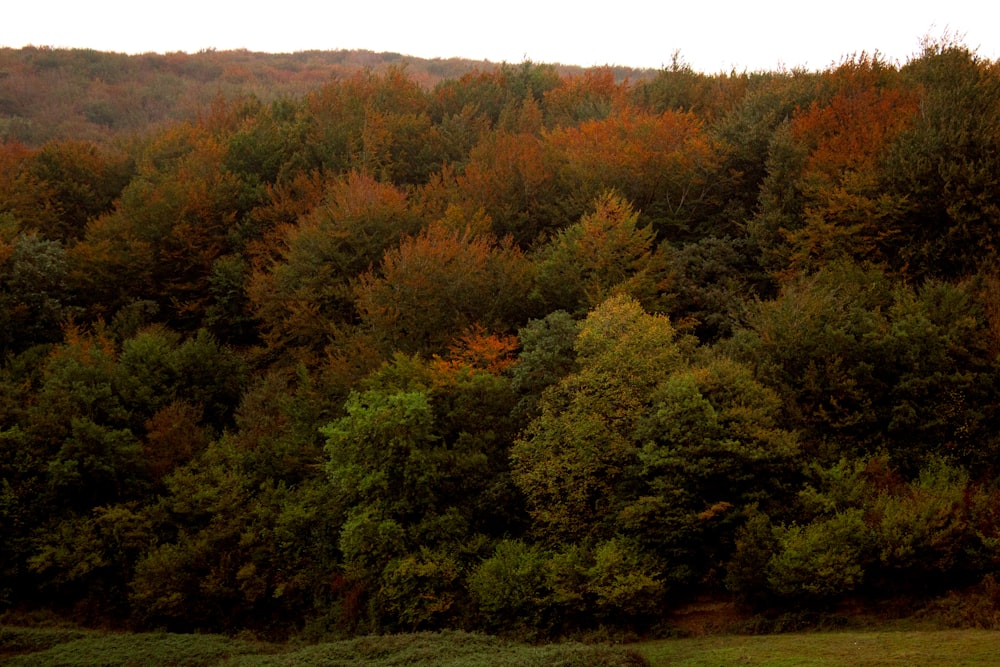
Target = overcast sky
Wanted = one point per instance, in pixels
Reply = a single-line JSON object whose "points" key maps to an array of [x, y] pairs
{"points": [[710, 36]]}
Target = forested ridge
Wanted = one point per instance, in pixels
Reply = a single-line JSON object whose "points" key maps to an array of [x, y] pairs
{"points": [[519, 350], [48, 93]]}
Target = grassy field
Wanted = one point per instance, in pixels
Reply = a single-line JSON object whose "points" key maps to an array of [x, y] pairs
{"points": [[67, 647], [886, 649]]}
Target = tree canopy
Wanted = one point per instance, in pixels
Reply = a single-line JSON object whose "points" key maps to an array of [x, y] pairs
{"points": [[514, 348]]}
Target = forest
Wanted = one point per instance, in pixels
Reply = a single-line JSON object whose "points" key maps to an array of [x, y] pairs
{"points": [[510, 349]]}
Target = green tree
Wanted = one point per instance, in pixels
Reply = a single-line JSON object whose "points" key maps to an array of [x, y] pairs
{"points": [[823, 560], [821, 345], [420, 462], [859, 527], [90, 559], [864, 364], [546, 356], [102, 431], [746, 134], [247, 526], [945, 166], [647, 444], [496, 93], [605, 252], [709, 283], [34, 294], [510, 588]]}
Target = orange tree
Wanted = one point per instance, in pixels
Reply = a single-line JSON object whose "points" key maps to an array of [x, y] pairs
{"points": [[663, 163], [823, 199], [437, 284]]}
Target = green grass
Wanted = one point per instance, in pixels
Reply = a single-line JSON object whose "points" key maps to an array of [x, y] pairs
{"points": [[43, 647], [15, 640], [882, 648], [66, 648], [38, 646]]}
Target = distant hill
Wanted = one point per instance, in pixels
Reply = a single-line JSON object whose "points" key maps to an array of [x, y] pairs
{"points": [[48, 93]]}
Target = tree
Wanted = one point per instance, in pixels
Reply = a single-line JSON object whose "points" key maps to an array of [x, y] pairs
{"points": [[823, 199], [605, 252], [82, 181], [708, 284], [864, 364], [547, 355], [169, 227], [420, 464], [376, 124], [511, 178], [820, 345], [745, 134], [826, 559], [678, 87], [590, 96], [34, 295], [90, 559], [945, 165], [664, 164], [97, 410], [437, 284], [496, 93], [247, 526], [646, 445], [859, 527], [304, 296], [24, 198]]}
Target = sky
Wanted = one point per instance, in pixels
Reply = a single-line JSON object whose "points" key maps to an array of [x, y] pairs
{"points": [[711, 37]]}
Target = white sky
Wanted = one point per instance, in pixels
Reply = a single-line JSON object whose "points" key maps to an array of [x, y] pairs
{"points": [[710, 36]]}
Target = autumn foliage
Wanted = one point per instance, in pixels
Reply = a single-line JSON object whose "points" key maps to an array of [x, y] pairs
{"points": [[351, 346]]}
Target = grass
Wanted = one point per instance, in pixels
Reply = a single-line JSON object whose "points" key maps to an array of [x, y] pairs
{"points": [[69, 648], [48, 646], [882, 648], [910, 648]]}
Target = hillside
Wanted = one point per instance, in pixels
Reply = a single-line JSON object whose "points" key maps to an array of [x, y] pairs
{"points": [[50, 93], [509, 350]]}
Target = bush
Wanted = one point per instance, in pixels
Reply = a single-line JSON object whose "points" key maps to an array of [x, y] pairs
{"points": [[821, 560], [746, 573], [974, 607], [509, 587]]}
